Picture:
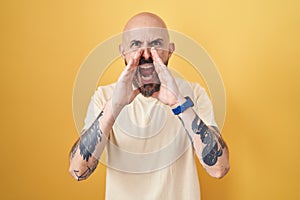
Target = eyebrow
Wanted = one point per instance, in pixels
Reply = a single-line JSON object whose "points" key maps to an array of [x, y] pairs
{"points": [[158, 39], [132, 41]]}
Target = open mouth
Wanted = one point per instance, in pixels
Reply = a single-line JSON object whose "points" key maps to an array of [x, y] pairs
{"points": [[146, 71]]}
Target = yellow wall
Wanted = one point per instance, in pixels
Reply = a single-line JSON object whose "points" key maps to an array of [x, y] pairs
{"points": [[255, 45]]}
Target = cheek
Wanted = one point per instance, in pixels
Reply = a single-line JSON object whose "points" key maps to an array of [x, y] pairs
{"points": [[127, 57], [164, 55]]}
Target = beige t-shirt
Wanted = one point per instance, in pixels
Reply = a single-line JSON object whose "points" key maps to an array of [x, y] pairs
{"points": [[149, 155]]}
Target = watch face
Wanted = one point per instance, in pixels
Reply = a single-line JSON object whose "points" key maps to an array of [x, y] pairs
{"points": [[180, 109], [177, 110]]}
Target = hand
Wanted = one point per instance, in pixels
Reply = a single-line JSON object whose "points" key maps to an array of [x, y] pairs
{"points": [[124, 92], [169, 93]]}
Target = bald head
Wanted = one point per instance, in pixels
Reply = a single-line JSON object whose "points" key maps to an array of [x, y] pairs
{"points": [[144, 30], [144, 20]]}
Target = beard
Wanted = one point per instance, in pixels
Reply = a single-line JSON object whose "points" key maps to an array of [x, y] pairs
{"points": [[149, 88], [146, 89]]}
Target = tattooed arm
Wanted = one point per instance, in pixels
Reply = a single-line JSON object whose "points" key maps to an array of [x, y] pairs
{"points": [[208, 144], [88, 148], [86, 152]]}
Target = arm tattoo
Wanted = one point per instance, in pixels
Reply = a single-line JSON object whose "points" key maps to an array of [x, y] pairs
{"points": [[210, 152], [74, 149], [222, 143], [89, 139], [87, 172]]}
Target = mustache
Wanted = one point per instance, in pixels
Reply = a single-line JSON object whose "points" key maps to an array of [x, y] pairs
{"points": [[145, 61]]}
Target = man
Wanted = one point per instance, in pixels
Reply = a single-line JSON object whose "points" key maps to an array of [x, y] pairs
{"points": [[150, 124]]}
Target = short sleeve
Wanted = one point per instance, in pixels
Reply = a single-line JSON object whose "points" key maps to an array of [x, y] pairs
{"points": [[203, 106]]}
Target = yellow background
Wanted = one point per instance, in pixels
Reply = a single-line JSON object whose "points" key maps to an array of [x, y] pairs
{"points": [[255, 45]]}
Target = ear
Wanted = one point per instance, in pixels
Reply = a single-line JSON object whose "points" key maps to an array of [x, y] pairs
{"points": [[121, 50], [171, 48]]}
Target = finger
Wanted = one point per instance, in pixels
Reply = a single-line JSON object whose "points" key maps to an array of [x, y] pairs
{"points": [[133, 61], [136, 57], [156, 57], [129, 64], [130, 69], [158, 63]]}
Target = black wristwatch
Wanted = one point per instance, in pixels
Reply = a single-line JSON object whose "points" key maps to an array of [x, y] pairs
{"points": [[181, 108]]}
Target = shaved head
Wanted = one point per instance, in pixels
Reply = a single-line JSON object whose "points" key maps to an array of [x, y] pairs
{"points": [[145, 26], [144, 20]]}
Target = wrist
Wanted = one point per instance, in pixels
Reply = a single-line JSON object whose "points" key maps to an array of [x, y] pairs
{"points": [[115, 107], [180, 100]]}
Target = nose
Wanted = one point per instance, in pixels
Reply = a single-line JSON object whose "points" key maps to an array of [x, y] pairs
{"points": [[146, 53]]}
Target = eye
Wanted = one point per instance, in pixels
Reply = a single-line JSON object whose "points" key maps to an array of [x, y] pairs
{"points": [[135, 44], [155, 43]]}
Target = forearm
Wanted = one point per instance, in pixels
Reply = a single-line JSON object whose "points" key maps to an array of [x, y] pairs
{"points": [[209, 146], [87, 150]]}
